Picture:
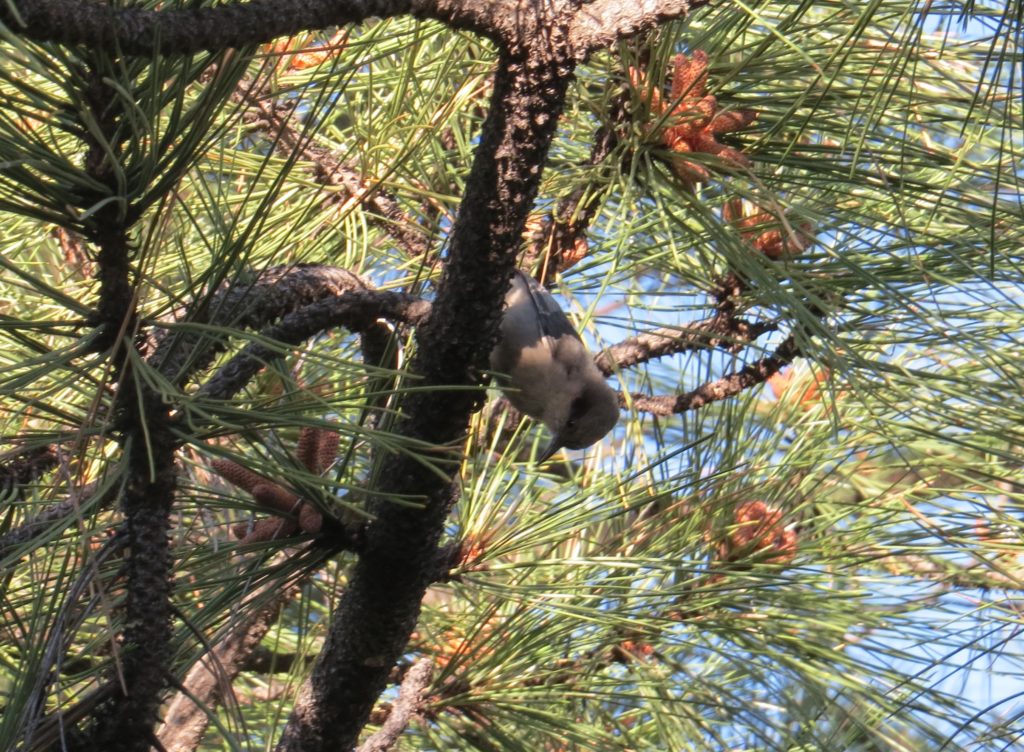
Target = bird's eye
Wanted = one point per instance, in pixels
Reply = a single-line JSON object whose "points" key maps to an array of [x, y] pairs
{"points": [[576, 410]]}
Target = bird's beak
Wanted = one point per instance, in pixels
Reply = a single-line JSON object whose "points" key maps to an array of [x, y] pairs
{"points": [[550, 449]]}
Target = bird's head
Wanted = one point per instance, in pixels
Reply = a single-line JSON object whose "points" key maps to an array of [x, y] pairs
{"points": [[591, 414]]}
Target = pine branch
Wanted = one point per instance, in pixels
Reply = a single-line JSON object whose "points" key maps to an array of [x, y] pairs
{"points": [[716, 331], [23, 467], [379, 608], [270, 295], [720, 389], [412, 695], [136, 31], [63, 511], [108, 227], [988, 576], [600, 24], [127, 722], [358, 311], [328, 170], [212, 676], [141, 423], [562, 241]]}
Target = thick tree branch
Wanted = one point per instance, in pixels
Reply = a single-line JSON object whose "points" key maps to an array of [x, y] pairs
{"points": [[600, 24], [356, 310], [139, 31], [127, 723], [270, 295], [379, 609]]}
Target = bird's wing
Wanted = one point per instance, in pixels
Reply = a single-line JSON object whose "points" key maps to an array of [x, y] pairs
{"points": [[532, 322], [551, 320]]}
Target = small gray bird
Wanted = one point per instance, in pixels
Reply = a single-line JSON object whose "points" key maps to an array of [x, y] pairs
{"points": [[546, 371]]}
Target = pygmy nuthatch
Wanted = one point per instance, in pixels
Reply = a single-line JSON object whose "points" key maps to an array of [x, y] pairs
{"points": [[546, 371]]}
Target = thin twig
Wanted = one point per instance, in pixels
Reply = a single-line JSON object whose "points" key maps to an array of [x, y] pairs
{"points": [[713, 332], [949, 574], [720, 389], [212, 676], [329, 171], [411, 696], [562, 240]]}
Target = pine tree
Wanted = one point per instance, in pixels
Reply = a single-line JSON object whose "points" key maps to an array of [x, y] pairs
{"points": [[257, 492]]}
